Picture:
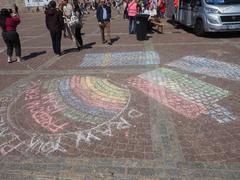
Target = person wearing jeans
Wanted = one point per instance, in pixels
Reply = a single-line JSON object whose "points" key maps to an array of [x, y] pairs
{"points": [[132, 12], [55, 24], [103, 17], [9, 23]]}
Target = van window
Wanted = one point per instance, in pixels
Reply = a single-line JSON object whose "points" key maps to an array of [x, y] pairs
{"points": [[222, 2]]}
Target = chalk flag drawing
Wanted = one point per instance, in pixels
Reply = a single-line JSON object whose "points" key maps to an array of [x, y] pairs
{"points": [[61, 113], [185, 95], [208, 67], [121, 59]]}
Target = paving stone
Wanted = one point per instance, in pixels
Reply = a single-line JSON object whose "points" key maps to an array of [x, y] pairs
{"points": [[147, 172], [83, 169], [136, 120]]}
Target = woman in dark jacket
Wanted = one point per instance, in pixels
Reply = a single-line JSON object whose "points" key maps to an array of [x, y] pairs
{"points": [[9, 23], [55, 24]]}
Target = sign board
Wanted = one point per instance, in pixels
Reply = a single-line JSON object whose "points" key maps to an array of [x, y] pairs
{"points": [[30, 3]]}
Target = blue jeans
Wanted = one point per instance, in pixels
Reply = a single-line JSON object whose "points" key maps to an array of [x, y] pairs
{"points": [[132, 20]]}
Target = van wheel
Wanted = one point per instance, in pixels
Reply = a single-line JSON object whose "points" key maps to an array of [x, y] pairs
{"points": [[198, 28]]}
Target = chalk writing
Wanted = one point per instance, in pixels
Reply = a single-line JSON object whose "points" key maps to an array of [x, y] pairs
{"points": [[43, 108], [40, 146], [63, 124]]}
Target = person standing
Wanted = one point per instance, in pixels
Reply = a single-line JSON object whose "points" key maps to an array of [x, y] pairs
{"points": [[125, 12], [9, 23], [162, 8], [132, 12], [67, 9], [55, 24], [78, 27], [103, 17]]}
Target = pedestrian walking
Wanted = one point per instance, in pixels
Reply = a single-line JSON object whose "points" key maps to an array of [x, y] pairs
{"points": [[9, 22], [67, 9], [125, 12], [55, 25], [78, 27], [103, 17], [132, 12], [117, 6], [162, 8]]}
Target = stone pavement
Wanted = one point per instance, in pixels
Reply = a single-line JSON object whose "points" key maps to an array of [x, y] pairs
{"points": [[164, 108]]}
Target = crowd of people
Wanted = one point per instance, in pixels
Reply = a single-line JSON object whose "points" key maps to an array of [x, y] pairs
{"points": [[66, 18]]}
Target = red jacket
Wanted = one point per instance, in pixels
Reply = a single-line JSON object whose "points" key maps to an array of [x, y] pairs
{"points": [[162, 7], [176, 3], [12, 23]]}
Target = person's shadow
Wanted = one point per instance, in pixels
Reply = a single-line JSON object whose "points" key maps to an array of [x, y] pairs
{"points": [[85, 46], [33, 55], [113, 40]]}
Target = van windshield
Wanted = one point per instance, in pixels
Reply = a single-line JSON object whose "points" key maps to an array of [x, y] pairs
{"points": [[222, 2]]}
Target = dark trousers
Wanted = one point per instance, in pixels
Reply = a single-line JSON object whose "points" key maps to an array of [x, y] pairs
{"points": [[125, 14], [56, 41], [78, 36], [132, 24], [11, 38]]}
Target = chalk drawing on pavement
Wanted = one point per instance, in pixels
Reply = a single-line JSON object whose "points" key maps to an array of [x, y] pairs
{"points": [[121, 59], [184, 94], [62, 113], [209, 67]]}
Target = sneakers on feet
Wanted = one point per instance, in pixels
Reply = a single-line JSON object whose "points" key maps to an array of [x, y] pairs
{"points": [[18, 59], [9, 59]]}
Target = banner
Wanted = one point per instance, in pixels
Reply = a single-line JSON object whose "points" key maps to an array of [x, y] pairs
{"points": [[30, 3]]}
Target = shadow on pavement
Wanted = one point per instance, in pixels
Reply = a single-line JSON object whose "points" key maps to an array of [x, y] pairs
{"points": [[88, 46], [33, 55], [115, 39], [85, 46]]}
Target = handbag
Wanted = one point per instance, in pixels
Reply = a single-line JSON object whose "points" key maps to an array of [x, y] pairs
{"points": [[73, 20]]}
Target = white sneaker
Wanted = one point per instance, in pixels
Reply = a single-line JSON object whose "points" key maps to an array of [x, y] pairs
{"points": [[18, 59], [9, 59]]}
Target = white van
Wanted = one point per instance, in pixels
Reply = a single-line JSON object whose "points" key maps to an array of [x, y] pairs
{"points": [[206, 15]]}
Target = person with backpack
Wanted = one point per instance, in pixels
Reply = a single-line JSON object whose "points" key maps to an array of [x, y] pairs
{"points": [[8, 23], [55, 24]]}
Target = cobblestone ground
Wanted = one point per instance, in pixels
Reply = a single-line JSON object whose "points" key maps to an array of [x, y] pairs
{"points": [[164, 108]]}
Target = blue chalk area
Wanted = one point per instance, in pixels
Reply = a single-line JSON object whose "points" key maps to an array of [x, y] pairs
{"points": [[210, 67], [92, 60], [122, 59], [68, 98]]}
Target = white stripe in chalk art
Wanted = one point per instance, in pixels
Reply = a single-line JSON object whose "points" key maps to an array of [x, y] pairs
{"points": [[209, 67]]}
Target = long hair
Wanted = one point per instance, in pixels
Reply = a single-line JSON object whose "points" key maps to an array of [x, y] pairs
{"points": [[3, 16]]}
